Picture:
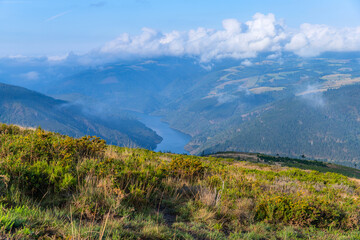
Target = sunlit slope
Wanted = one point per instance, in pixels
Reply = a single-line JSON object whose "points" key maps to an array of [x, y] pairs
{"points": [[54, 186], [301, 163]]}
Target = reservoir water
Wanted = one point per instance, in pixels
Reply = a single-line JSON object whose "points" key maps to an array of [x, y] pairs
{"points": [[173, 140]]}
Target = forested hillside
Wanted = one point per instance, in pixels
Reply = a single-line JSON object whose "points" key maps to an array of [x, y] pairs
{"points": [[298, 126]]}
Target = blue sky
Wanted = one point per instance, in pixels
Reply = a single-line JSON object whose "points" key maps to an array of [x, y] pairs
{"points": [[43, 27]]}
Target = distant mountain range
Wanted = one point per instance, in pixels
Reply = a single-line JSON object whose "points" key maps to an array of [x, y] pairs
{"points": [[295, 107], [27, 108], [294, 127], [275, 104]]}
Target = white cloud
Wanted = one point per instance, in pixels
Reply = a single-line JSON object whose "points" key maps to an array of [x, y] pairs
{"points": [[263, 33], [313, 94], [109, 80], [31, 75], [57, 58], [98, 4], [235, 40], [18, 56], [12, 2], [247, 63], [57, 16], [313, 39], [275, 55]]}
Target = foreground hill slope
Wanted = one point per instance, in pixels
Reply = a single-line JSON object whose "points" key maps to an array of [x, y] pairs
{"points": [[31, 109], [54, 186]]}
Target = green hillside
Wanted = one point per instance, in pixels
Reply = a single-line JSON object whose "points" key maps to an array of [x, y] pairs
{"points": [[291, 162], [57, 187]]}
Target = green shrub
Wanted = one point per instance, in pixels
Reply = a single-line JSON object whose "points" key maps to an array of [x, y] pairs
{"points": [[185, 167], [42, 163], [301, 211]]}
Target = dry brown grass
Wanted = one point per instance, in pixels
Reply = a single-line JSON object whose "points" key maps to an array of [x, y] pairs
{"points": [[249, 165], [26, 128], [99, 193], [205, 215], [242, 211], [209, 197], [347, 190], [245, 210], [284, 185], [165, 158], [241, 156], [356, 181], [110, 152]]}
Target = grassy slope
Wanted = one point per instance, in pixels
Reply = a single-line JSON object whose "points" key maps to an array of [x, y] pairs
{"points": [[291, 162], [54, 186]]}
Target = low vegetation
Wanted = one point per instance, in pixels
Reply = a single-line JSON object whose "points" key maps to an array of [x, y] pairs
{"points": [[291, 162], [58, 187]]}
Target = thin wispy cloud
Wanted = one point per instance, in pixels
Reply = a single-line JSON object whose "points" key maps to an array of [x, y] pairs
{"points": [[33, 75], [143, 2], [12, 2], [57, 16], [98, 4]]}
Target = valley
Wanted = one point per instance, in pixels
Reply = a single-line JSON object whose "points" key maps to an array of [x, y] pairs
{"points": [[183, 120], [301, 106], [172, 140]]}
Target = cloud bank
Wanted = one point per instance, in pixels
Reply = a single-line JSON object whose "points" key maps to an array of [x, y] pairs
{"points": [[311, 40], [237, 40]]}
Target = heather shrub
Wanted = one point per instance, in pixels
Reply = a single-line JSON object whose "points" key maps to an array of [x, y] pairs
{"points": [[56, 187], [185, 167], [42, 163]]}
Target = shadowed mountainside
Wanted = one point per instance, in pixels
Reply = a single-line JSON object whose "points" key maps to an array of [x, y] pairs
{"points": [[31, 109]]}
